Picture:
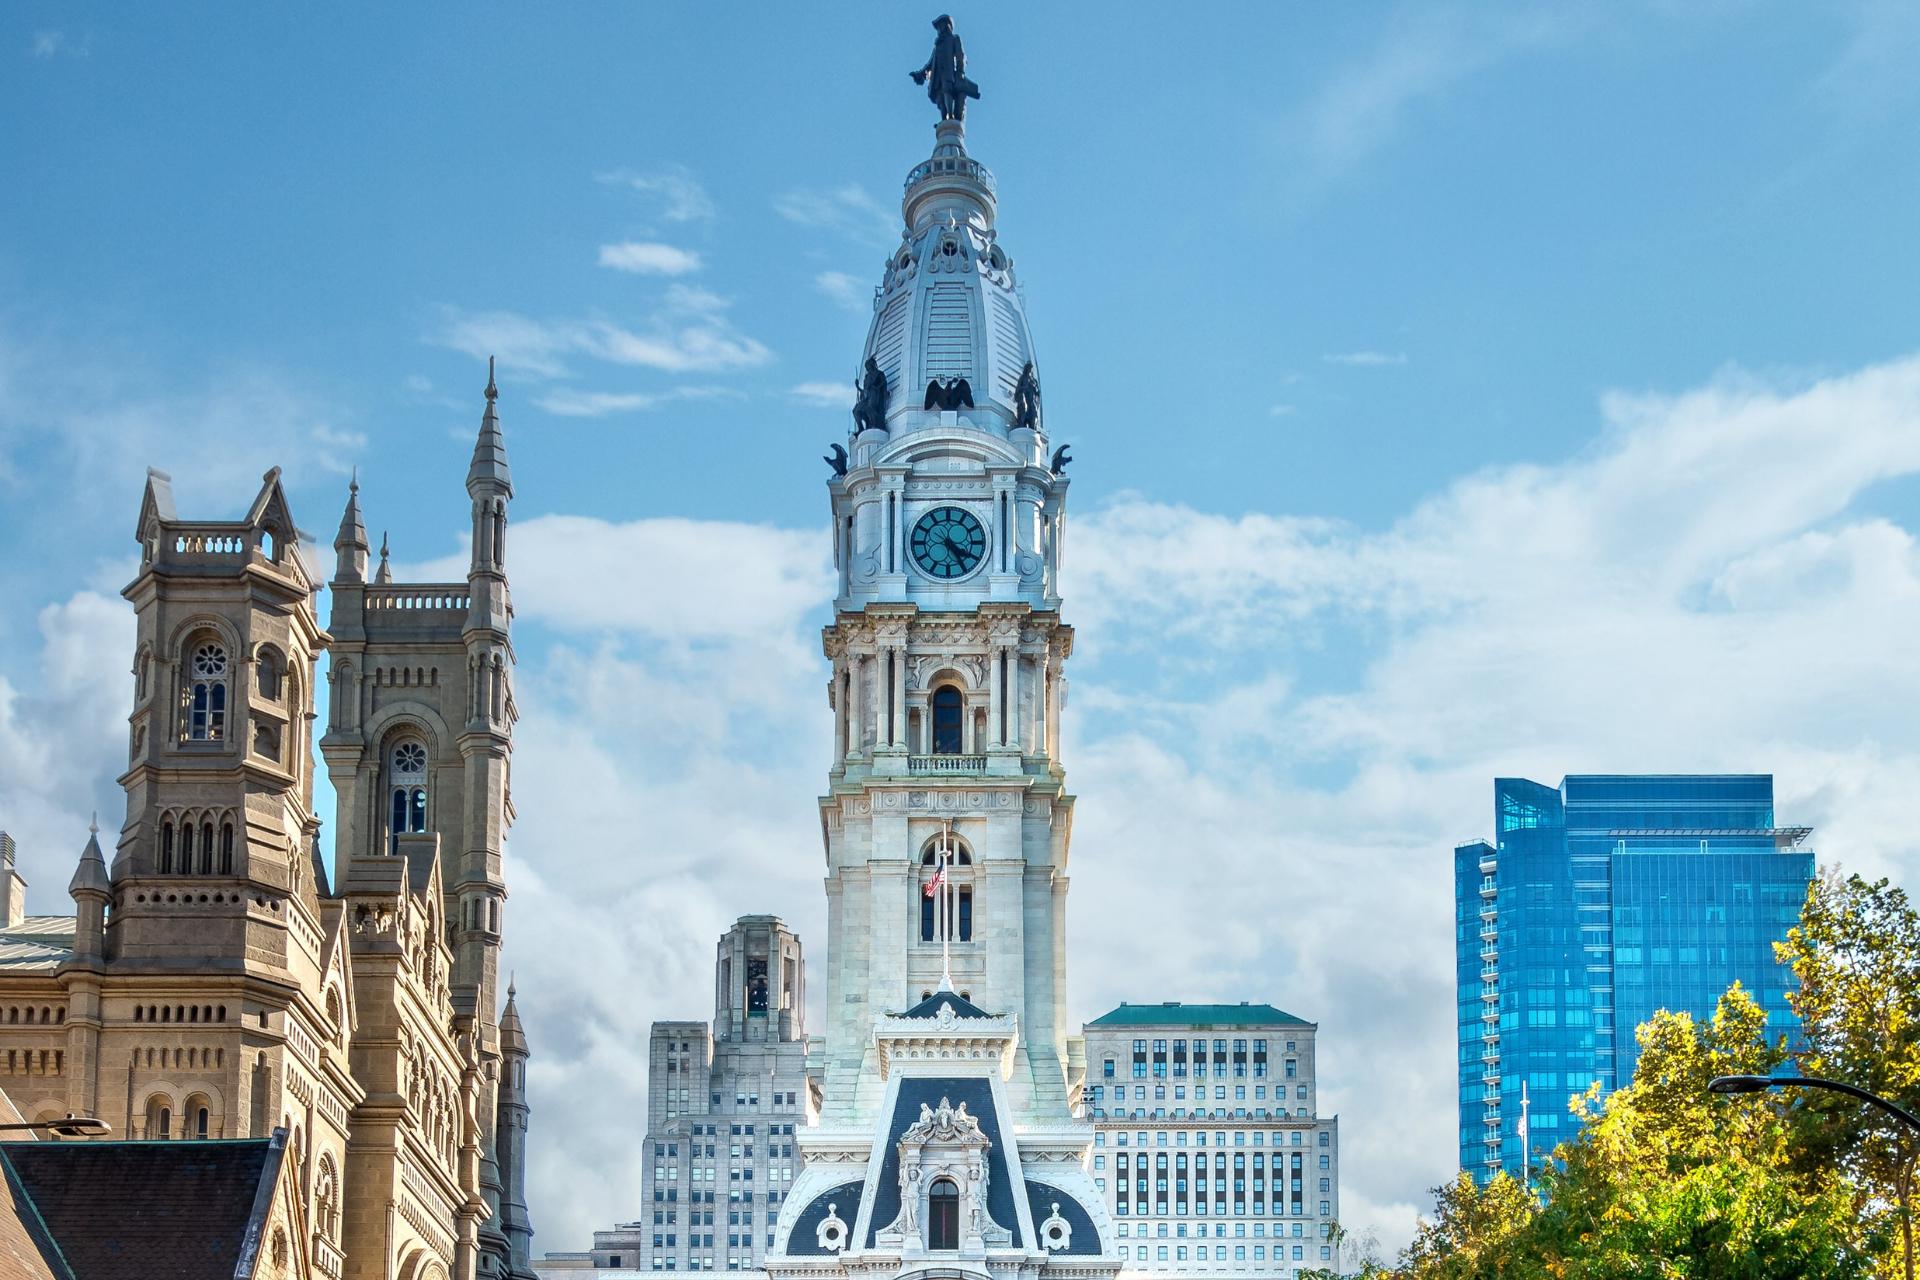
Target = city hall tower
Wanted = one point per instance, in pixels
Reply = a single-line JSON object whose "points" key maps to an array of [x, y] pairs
{"points": [[945, 1138]]}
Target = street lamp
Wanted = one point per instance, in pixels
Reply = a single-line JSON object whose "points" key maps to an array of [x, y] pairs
{"points": [[68, 1126], [1759, 1084]]}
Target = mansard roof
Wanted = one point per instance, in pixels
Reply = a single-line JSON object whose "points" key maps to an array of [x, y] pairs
{"points": [[134, 1210], [1174, 1013], [930, 1007]]}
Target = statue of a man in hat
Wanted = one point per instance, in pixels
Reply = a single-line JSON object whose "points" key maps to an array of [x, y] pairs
{"points": [[945, 74]]}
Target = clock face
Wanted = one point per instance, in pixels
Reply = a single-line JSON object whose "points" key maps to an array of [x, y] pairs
{"points": [[948, 542]]}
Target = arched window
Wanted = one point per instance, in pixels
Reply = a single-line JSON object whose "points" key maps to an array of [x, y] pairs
{"points": [[207, 693], [948, 710], [407, 791], [159, 1117], [166, 847], [186, 847], [206, 849], [943, 1215], [226, 848], [955, 891], [267, 670], [327, 1199], [195, 1118]]}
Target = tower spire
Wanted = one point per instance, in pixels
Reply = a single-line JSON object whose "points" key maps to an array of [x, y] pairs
{"points": [[350, 544], [489, 469], [384, 574]]}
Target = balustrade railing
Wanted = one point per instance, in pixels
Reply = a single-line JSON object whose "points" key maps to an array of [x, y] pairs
{"points": [[430, 596], [947, 764]]}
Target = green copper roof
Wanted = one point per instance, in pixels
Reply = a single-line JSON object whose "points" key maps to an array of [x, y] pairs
{"points": [[1211, 1015]]}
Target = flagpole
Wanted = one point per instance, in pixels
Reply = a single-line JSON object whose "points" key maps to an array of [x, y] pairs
{"points": [[945, 905], [1526, 1142]]}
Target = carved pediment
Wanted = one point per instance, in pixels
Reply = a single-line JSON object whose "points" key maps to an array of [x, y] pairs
{"points": [[944, 1124]]}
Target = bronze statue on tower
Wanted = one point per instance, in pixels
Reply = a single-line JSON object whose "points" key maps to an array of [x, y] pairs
{"points": [[945, 74]]}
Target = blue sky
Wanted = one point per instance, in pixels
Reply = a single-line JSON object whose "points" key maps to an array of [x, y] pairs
{"points": [[1455, 389]]}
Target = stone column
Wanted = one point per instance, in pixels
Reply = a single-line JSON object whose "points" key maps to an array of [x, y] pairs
{"points": [[856, 721], [1053, 707], [995, 699], [841, 748], [899, 732], [1014, 739]]}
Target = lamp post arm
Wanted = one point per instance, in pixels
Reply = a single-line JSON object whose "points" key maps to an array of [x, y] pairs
{"points": [[1899, 1113]]}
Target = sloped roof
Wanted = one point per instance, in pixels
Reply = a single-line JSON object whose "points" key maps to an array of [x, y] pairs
{"points": [[1176, 1013], [930, 1007], [137, 1210], [37, 942]]}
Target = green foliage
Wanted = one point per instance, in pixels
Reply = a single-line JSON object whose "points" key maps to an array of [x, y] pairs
{"points": [[1856, 955], [1665, 1182], [1668, 1182]]}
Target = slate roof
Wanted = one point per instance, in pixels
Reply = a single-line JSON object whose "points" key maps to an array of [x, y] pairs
{"points": [[1175, 1013], [930, 1007], [37, 942], [140, 1210]]}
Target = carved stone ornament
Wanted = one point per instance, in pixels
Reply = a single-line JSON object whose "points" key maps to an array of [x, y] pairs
{"points": [[946, 1124], [1056, 1233], [831, 1234], [945, 1143]]}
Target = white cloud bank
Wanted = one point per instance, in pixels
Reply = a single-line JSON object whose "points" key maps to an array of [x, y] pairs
{"points": [[1278, 727]]}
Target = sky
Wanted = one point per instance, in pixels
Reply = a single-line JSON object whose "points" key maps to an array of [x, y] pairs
{"points": [[1455, 389]]}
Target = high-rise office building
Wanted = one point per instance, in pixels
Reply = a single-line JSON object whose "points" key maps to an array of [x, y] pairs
{"points": [[722, 1107], [1208, 1144], [1596, 904]]}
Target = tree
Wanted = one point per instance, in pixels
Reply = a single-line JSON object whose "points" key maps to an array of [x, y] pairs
{"points": [[1664, 1182], [1476, 1231], [1856, 954]]}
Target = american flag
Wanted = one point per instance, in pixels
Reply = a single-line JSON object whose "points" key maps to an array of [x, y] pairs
{"points": [[933, 885]]}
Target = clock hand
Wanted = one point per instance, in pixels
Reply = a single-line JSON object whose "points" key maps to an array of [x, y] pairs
{"points": [[953, 548]]}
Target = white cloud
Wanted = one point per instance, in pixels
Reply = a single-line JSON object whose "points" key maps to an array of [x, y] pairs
{"points": [[63, 738], [1366, 359], [846, 210], [571, 402], [689, 333], [81, 421], [1282, 411], [649, 258], [823, 395], [54, 44], [845, 290], [1422, 53], [673, 192], [1693, 592]]}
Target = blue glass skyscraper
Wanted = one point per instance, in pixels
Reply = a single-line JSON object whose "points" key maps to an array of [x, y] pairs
{"points": [[1596, 904]]}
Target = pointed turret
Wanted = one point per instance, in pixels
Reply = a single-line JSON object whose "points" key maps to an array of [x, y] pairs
{"points": [[488, 470], [384, 574], [350, 544], [91, 890], [513, 1037], [511, 1138]]}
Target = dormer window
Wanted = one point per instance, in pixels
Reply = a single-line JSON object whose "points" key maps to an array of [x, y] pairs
{"points": [[943, 1215]]}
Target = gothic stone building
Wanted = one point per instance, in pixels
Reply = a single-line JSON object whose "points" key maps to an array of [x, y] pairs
{"points": [[211, 983]]}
